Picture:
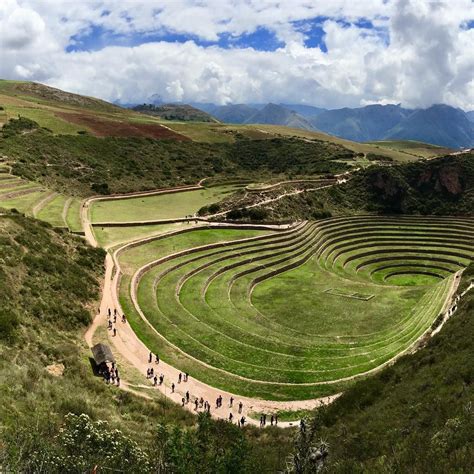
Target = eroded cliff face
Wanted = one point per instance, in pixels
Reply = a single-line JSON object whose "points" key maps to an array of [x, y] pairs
{"points": [[425, 187], [445, 179]]}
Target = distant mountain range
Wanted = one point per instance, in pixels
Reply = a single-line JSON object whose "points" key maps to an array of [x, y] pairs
{"points": [[439, 124]]}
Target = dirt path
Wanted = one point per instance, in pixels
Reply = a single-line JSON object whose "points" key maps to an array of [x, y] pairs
{"points": [[277, 198]]}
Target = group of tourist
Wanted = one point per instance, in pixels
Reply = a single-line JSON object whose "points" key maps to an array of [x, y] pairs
{"points": [[199, 403], [273, 420], [111, 374], [112, 320]]}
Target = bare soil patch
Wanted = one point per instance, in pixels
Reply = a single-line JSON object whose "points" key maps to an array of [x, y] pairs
{"points": [[111, 128]]}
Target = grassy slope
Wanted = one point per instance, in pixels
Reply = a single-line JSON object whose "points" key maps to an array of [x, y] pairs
{"points": [[443, 186], [103, 165], [49, 287], [412, 147], [413, 417]]}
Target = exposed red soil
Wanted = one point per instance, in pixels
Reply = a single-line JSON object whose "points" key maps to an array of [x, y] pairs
{"points": [[111, 128]]}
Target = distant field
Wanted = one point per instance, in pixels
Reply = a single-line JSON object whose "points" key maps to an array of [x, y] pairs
{"points": [[160, 206], [424, 150], [111, 236]]}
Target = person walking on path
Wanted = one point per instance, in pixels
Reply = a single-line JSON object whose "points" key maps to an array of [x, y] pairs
{"points": [[242, 421], [271, 421], [196, 404], [264, 419], [118, 381], [231, 417], [241, 405], [231, 402], [115, 318], [172, 387], [155, 380], [261, 421], [115, 332], [276, 420], [186, 376], [150, 356], [157, 359], [187, 396], [110, 313], [180, 376], [124, 319], [182, 402]]}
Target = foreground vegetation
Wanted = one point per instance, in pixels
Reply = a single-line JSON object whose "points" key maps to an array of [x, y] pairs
{"points": [[55, 415]]}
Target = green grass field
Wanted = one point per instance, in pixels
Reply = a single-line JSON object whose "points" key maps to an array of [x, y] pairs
{"points": [[73, 216], [160, 206], [112, 236], [255, 317], [52, 212], [411, 147]]}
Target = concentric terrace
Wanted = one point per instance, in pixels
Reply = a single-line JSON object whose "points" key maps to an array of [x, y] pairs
{"points": [[296, 313]]}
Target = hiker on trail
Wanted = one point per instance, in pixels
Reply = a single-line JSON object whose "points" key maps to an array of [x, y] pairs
{"points": [[195, 404], [110, 313], [157, 359], [124, 320], [109, 324], [241, 405], [155, 380], [162, 377], [302, 426], [118, 381], [208, 407], [148, 373], [116, 373], [152, 372], [187, 396], [172, 387], [115, 332], [261, 421], [180, 377], [201, 402], [115, 311], [231, 402], [150, 358], [264, 420], [276, 420], [231, 417], [182, 402], [271, 421], [242, 421], [115, 318], [186, 376], [113, 365]]}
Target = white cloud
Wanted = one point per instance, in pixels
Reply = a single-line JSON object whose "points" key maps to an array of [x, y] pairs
{"points": [[429, 57]]}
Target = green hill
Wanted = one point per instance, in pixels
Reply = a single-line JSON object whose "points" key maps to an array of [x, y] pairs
{"points": [[56, 416]]}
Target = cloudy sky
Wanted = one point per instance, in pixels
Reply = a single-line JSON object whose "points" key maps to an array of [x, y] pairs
{"points": [[329, 53]]}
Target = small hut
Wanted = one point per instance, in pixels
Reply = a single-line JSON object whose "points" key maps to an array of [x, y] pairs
{"points": [[102, 356]]}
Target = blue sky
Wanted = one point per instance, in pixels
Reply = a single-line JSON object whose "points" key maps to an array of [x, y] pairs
{"points": [[325, 53]]}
